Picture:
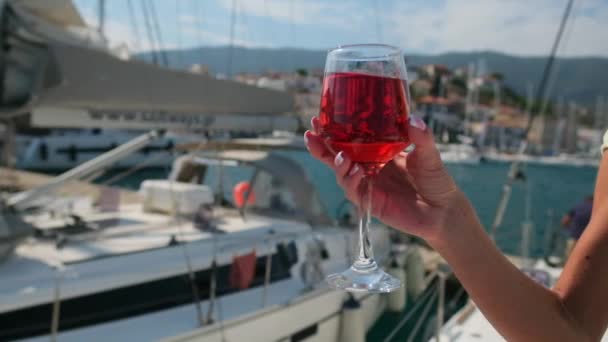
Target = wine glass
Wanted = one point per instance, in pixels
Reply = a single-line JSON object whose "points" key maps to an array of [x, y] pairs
{"points": [[364, 113]]}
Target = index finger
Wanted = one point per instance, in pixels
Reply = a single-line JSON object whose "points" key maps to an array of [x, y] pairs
{"points": [[318, 149]]}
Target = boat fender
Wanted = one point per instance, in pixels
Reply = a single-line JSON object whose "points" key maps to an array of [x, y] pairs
{"points": [[242, 191], [311, 270], [397, 299], [414, 270], [352, 327]]}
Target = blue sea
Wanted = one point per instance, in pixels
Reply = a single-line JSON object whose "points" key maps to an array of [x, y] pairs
{"points": [[551, 189]]}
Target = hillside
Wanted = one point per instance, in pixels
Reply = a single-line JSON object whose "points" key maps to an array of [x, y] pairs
{"points": [[578, 79]]}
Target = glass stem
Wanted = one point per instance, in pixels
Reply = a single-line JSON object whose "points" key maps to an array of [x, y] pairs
{"points": [[365, 260]]}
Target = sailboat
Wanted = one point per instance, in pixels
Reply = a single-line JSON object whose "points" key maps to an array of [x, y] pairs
{"points": [[161, 268], [234, 245]]}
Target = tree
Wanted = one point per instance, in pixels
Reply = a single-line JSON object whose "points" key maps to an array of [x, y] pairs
{"points": [[498, 76]]}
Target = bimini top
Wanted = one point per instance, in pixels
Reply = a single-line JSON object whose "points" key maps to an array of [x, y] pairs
{"points": [[284, 169]]}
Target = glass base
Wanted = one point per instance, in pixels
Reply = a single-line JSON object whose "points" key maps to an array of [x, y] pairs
{"points": [[371, 280]]}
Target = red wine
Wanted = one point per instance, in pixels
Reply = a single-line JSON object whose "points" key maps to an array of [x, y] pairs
{"points": [[365, 116]]}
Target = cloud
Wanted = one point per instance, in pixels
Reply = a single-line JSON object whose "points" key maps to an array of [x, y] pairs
{"points": [[189, 19], [118, 33], [308, 12], [512, 26], [214, 38], [517, 27]]}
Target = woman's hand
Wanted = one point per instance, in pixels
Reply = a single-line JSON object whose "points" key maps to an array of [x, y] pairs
{"points": [[413, 192]]}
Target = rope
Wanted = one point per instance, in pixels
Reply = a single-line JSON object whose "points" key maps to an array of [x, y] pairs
{"points": [[56, 307], [134, 24], [267, 278], [409, 315], [425, 312], [102, 17], [201, 21], [292, 37], [231, 42], [541, 91], [149, 32], [553, 76], [191, 275], [178, 31], [157, 31]]}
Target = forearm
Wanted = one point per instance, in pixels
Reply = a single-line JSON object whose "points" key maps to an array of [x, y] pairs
{"points": [[519, 308]]}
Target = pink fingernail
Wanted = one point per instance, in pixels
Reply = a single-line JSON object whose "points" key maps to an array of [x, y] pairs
{"points": [[354, 170], [339, 159], [417, 122], [306, 138]]}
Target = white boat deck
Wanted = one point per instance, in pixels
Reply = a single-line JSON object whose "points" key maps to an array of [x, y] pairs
{"points": [[94, 263]]}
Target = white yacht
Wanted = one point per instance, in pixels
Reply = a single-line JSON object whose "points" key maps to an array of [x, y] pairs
{"points": [[164, 268], [459, 153]]}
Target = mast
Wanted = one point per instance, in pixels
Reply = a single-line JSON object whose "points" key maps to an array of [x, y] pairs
{"points": [[102, 16], [468, 107], [599, 112], [514, 171], [559, 127], [231, 44]]}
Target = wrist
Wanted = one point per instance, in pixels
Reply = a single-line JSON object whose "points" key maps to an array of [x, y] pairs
{"points": [[458, 218]]}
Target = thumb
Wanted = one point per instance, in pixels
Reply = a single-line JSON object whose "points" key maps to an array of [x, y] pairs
{"points": [[426, 152]]}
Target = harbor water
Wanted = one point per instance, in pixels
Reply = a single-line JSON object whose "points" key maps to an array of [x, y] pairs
{"points": [[552, 189]]}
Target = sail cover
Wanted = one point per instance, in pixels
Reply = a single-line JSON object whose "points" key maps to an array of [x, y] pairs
{"points": [[75, 85], [96, 89]]}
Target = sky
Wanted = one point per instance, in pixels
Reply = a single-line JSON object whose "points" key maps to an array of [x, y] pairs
{"points": [[520, 27]]}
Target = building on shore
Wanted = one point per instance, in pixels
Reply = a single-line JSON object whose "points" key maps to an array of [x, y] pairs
{"points": [[552, 135]]}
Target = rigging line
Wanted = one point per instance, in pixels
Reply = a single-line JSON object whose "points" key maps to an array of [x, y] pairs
{"points": [[157, 30], [199, 30], [265, 29], [102, 17], [292, 37], [553, 77], [231, 42], [178, 31], [187, 258], [514, 169], [244, 19], [541, 91], [149, 33], [378, 23], [134, 25], [240, 18]]}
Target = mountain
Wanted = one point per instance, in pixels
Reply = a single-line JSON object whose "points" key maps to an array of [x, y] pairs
{"points": [[578, 79]]}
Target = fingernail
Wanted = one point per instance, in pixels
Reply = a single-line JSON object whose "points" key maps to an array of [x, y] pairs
{"points": [[339, 159], [306, 137], [354, 170], [312, 120], [417, 122]]}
